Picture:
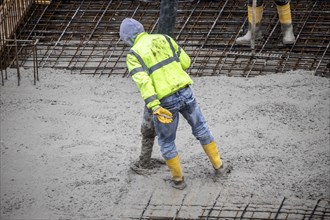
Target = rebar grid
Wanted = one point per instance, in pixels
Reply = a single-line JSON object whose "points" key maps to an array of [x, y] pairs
{"points": [[82, 36], [284, 210]]}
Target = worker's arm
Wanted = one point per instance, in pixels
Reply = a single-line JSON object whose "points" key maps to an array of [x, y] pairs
{"points": [[143, 81], [147, 90]]}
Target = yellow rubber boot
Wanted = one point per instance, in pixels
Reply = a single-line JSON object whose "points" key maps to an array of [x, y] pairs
{"points": [[211, 151], [259, 14], [246, 39], [284, 14], [176, 172]]}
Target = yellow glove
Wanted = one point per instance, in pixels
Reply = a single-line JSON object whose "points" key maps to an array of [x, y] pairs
{"points": [[163, 115]]}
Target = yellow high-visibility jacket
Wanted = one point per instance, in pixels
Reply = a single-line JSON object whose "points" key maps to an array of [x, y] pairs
{"points": [[157, 65]]}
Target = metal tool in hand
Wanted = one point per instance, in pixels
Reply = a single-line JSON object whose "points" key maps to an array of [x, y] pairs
{"points": [[253, 26]]}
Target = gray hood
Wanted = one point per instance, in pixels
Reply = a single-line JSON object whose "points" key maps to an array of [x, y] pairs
{"points": [[129, 29]]}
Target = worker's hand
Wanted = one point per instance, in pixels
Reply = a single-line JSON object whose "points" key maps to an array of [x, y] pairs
{"points": [[163, 115]]}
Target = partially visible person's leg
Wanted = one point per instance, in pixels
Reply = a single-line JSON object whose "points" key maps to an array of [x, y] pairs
{"points": [[148, 137], [246, 39], [284, 14]]}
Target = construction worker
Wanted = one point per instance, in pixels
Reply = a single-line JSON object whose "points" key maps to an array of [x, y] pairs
{"points": [[284, 13], [145, 162], [157, 65]]}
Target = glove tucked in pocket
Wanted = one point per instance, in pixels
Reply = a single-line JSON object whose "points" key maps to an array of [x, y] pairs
{"points": [[163, 115]]}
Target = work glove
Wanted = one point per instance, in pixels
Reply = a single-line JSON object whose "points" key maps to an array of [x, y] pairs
{"points": [[163, 115]]}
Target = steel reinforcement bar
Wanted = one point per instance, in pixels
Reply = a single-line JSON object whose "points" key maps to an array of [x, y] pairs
{"points": [[82, 36], [284, 210]]}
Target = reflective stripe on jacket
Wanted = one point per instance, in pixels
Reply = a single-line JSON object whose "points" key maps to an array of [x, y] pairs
{"points": [[157, 65]]}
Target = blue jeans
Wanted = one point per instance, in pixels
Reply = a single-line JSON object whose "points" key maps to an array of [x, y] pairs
{"points": [[185, 103]]}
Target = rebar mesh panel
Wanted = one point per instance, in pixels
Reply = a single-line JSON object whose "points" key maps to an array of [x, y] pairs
{"points": [[82, 36], [238, 211]]}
